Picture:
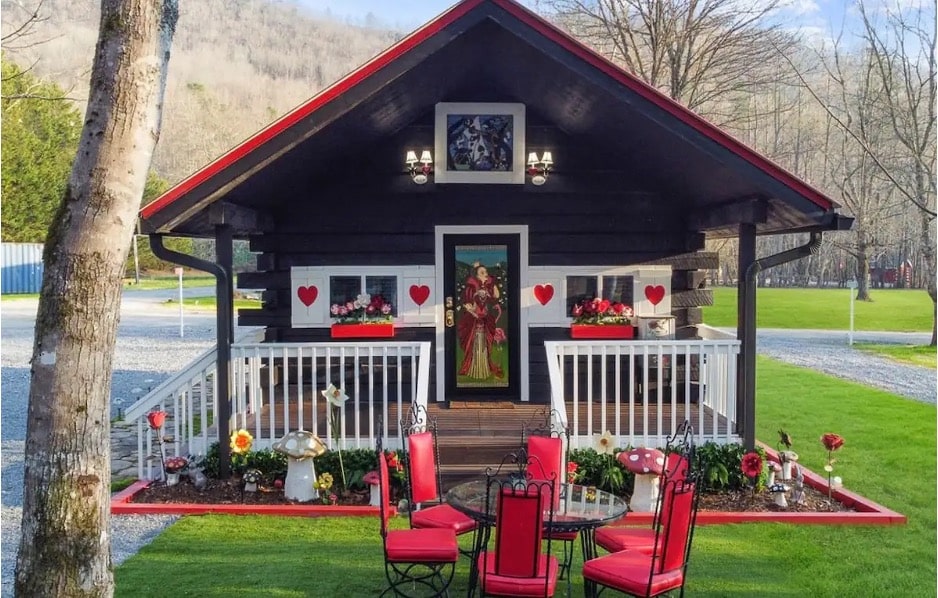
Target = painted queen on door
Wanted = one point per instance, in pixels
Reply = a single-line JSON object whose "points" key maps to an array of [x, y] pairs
{"points": [[484, 309]]}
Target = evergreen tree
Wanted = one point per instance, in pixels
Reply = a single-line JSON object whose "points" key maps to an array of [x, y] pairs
{"points": [[39, 138]]}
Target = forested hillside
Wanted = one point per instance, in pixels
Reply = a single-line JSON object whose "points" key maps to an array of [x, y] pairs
{"points": [[236, 65]]}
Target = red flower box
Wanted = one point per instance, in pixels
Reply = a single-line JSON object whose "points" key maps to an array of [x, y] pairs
{"points": [[379, 330], [602, 331]]}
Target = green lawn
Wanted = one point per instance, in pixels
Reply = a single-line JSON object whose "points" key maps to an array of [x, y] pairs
{"points": [[170, 282], [890, 309], [208, 302], [889, 456], [919, 355]]}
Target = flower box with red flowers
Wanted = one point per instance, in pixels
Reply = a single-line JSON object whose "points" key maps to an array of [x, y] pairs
{"points": [[602, 318], [377, 330], [602, 331]]}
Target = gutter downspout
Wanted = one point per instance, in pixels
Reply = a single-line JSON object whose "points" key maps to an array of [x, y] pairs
{"points": [[748, 336], [223, 335]]}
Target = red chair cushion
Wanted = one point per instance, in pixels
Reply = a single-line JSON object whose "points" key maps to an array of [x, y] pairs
{"points": [[614, 539], [629, 572], [421, 464], [505, 585], [421, 546], [442, 516], [561, 536]]}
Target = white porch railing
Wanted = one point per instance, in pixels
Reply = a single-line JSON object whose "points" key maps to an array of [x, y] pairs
{"points": [[641, 391], [373, 374]]}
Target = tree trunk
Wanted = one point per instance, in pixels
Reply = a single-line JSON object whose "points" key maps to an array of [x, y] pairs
{"points": [[863, 269], [65, 544]]}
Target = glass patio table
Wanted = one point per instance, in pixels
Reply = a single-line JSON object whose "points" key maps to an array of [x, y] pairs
{"points": [[579, 508]]}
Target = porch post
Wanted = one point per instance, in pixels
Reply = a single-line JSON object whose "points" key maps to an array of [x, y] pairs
{"points": [[746, 333], [224, 302]]}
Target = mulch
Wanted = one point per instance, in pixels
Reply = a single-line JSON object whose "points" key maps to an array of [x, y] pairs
{"points": [[230, 492]]}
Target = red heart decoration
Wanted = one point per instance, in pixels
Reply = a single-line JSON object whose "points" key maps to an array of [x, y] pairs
{"points": [[419, 293], [307, 294], [654, 293], [544, 293]]}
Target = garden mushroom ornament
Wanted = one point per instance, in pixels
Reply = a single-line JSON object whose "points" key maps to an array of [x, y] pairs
{"points": [[371, 478], [774, 469], [778, 491], [647, 465], [788, 458], [300, 447]]}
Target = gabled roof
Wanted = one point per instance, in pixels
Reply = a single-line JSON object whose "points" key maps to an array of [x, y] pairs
{"points": [[603, 122]]}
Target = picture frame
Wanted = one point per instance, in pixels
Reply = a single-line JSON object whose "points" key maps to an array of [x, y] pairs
{"points": [[479, 142]]}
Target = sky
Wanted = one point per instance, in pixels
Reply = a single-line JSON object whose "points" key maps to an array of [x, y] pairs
{"points": [[813, 16]]}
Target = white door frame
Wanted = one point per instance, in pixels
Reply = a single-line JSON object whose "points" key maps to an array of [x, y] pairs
{"points": [[508, 229]]}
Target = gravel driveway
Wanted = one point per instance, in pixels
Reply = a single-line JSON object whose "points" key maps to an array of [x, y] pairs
{"points": [[149, 349]]}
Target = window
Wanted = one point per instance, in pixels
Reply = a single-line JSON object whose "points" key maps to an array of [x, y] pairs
{"points": [[614, 288], [343, 289]]}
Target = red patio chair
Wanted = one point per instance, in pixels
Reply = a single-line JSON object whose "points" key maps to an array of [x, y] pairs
{"points": [[423, 480], [415, 560], [547, 460], [665, 569], [519, 564], [679, 456]]}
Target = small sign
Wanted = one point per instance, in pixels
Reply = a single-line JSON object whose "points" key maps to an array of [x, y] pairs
{"points": [[178, 271], [851, 284]]}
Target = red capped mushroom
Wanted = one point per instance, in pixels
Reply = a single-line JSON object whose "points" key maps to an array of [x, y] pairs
{"points": [[371, 478], [647, 464]]}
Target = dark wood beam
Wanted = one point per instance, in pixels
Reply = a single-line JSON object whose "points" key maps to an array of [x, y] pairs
{"points": [[746, 211], [239, 218]]}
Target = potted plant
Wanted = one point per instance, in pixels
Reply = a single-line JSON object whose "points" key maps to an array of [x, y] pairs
{"points": [[602, 318], [366, 316]]}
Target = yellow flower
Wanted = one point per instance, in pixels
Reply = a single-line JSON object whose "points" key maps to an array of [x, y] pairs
{"points": [[324, 482], [605, 445], [241, 441]]}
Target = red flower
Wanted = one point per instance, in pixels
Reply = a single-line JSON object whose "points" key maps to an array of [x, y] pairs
{"points": [[571, 471], [394, 462], [752, 465], [604, 306], [156, 419], [832, 441]]}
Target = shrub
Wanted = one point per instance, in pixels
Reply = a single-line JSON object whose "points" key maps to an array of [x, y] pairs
{"points": [[721, 467]]}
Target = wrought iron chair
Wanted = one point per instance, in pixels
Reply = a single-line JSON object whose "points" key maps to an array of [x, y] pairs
{"points": [[665, 568], [521, 563], [679, 459], [416, 561], [423, 481], [546, 445]]}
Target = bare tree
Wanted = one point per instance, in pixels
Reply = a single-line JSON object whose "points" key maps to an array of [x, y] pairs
{"points": [[65, 547], [707, 54], [902, 48]]}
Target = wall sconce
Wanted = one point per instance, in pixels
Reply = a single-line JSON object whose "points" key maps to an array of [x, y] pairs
{"points": [[539, 168], [420, 174]]}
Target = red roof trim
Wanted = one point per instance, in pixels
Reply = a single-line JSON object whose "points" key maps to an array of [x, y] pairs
{"points": [[304, 110], [550, 32], [664, 102]]}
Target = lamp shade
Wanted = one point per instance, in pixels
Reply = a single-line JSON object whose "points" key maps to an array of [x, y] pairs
{"points": [[425, 157], [548, 159], [411, 158], [532, 159]]}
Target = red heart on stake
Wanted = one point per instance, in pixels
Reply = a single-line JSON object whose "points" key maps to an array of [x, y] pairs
{"points": [[544, 293], [654, 294], [419, 293], [307, 294]]}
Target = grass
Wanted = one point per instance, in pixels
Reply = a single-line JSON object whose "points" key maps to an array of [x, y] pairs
{"points": [[919, 355], [208, 302], [151, 283], [891, 309], [889, 456]]}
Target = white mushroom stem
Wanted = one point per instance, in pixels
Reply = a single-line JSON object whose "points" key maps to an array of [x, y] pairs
{"points": [[301, 477], [375, 496], [645, 495], [780, 499]]}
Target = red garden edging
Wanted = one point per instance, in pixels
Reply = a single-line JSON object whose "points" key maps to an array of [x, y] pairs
{"points": [[866, 511]]}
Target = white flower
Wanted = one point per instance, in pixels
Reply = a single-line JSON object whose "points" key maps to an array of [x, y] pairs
{"points": [[335, 396], [605, 444], [363, 300]]}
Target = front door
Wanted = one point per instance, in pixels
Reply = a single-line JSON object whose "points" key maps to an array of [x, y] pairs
{"points": [[481, 282]]}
